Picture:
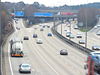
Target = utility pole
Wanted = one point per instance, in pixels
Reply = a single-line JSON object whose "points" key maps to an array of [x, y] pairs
{"points": [[86, 28], [0, 23], [54, 21], [61, 25]]}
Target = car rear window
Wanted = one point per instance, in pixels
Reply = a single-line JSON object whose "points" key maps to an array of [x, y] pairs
{"points": [[25, 66]]}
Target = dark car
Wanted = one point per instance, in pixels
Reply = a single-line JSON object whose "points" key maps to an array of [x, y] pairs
{"points": [[35, 36], [49, 34], [63, 52], [48, 26], [26, 38], [43, 26], [17, 28], [41, 29]]}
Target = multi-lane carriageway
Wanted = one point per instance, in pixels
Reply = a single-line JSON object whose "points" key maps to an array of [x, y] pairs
{"points": [[92, 38], [43, 58]]}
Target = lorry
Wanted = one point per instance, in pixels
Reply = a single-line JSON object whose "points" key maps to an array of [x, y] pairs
{"points": [[93, 63], [16, 48]]}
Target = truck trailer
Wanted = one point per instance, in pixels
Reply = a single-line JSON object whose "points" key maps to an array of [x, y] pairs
{"points": [[16, 48]]}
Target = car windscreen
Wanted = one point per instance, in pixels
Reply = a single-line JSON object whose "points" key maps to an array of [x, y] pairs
{"points": [[25, 66]]}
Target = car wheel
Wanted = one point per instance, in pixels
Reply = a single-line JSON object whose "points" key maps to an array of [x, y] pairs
{"points": [[30, 72], [20, 71]]}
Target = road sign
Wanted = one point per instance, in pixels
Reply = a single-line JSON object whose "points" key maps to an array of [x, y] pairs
{"points": [[19, 13], [43, 14]]}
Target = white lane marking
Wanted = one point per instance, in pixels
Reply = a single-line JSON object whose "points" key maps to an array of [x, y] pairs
{"points": [[9, 54], [10, 60], [47, 62]]}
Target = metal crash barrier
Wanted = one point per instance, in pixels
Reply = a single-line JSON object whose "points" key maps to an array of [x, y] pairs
{"points": [[82, 48]]}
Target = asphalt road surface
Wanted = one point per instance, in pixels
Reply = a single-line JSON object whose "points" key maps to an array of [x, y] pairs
{"points": [[45, 59], [92, 38]]}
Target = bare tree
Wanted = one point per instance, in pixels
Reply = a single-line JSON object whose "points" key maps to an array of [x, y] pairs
{"points": [[88, 15]]}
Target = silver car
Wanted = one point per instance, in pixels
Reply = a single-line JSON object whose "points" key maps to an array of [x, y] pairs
{"points": [[24, 68], [79, 35], [81, 41], [98, 33], [95, 47], [39, 41], [68, 34], [63, 52]]}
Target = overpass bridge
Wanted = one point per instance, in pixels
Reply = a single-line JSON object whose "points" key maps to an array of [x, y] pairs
{"points": [[46, 15]]}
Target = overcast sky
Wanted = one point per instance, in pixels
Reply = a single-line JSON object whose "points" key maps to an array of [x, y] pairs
{"points": [[55, 2]]}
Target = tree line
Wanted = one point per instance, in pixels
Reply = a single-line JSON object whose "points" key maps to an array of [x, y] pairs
{"points": [[5, 23], [87, 13]]}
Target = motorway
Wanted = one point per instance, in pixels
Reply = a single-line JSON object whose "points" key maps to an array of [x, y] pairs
{"points": [[92, 38], [95, 30], [45, 59]]}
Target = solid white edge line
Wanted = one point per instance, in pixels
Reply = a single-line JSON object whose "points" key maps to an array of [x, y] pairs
{"points": [[8, 56], [9, 53], [10, 60]]}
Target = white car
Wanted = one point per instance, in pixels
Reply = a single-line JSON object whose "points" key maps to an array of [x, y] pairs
{"points": [[68, 34], [98, 25], [95, 47], [24, 68], [72, 36], [14, 40], [79, 35], [75, 27], [39, 41], [95, 27], [98, 33], [81, 41]]}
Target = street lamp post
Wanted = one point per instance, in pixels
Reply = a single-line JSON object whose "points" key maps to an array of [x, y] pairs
{"points": [[70, 26], [86, 31], [54, 22], [61, 26], [86, 27]]}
